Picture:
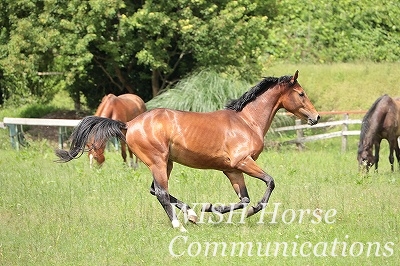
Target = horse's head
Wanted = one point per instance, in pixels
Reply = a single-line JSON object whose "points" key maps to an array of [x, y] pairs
{"points": [[365, 159], [295, 100], [96, 152]]}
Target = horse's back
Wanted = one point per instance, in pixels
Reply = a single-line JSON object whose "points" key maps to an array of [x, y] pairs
{"points": [[101, 109], [397, 104], [186, 119], [200, 140], [387, 113], [133, 105], [124, 108]]}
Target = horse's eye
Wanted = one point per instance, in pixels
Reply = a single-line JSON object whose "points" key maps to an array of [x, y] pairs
{"points": [[301, 94]]}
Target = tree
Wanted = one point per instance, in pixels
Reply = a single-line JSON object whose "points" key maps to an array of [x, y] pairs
{"points": [[120, 46]]}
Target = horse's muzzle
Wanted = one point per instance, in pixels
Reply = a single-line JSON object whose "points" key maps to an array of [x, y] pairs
{"points": [[313, 121]]}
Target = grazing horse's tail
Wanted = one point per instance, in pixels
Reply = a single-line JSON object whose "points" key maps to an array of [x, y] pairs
{"points": [[99, 129]]}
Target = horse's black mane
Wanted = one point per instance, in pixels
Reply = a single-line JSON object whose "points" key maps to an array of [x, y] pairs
{"points": [[238, 104], [366, 122]]}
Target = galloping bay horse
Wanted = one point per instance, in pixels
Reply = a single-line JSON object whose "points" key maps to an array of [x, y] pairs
{"points": [[382, 121], [123, 108], [235, 140]]}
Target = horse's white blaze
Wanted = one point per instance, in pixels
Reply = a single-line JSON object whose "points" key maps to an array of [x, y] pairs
{"points": [[91, 160]]}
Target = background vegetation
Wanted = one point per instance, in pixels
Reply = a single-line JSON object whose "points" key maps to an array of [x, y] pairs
{"points": [[69, 214], [65, 55], [90, 48], [336, 31]]}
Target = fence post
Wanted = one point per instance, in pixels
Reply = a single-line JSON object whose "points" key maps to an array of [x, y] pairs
{"points": [[62, 136], [13, 129], [300, 135], [345, 128]]}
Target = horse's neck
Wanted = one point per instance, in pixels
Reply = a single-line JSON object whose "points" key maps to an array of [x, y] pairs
{"points": [[260, 112], [369, 138], [371, 128]]}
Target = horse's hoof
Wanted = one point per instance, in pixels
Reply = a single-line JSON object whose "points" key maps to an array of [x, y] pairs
{"points": [[250, 211], [177, 224], [192, 216], [207, 207]]}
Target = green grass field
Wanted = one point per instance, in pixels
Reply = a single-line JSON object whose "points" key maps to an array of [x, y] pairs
{"points": [[345, 86], [322, 211], [69, 214]]}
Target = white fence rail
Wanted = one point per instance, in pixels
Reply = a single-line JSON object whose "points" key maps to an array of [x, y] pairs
{"points": [[343, 133], [16, 131]]}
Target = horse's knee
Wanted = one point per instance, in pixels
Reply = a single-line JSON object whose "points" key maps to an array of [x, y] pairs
{"points": [[245, 200]]}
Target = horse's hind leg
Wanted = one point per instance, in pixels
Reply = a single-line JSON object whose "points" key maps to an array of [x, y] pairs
{"points": [[160, 189], [191, 215], [391, 159], [393, 146]]}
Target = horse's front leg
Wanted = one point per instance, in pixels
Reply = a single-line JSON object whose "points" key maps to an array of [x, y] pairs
{"points": [[237, 180], [377, 148], [123, 151], [249, 166], [133, 163]]}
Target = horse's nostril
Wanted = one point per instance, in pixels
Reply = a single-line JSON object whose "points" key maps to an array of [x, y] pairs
{"points": [[318, 117]]}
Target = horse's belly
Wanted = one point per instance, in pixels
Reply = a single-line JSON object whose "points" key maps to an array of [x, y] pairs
{"points": [[199, 159]]}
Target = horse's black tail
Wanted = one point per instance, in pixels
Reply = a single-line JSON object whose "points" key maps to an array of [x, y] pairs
{"points": [[99, 129]]}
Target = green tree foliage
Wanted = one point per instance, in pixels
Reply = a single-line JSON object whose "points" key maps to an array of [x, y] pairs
{"points": [[336, 31], [101, 46], [95, 47]]}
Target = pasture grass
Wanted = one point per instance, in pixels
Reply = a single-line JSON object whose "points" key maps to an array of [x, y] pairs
{"points": [[343, 86], [70, 214]]}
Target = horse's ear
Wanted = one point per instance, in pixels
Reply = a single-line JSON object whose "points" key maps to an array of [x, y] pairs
{"points": [[294, 78]]}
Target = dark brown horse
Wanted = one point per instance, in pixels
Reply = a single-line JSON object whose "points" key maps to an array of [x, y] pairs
{"points": [[123, 108], [235, 139], [382, 121]]}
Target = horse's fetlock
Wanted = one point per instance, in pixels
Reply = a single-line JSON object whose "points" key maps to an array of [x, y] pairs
{"points": [[245, 200]]}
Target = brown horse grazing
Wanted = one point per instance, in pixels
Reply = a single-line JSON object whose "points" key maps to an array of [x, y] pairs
{"points": [[235, 139], [382, 121], [122, 108]]}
